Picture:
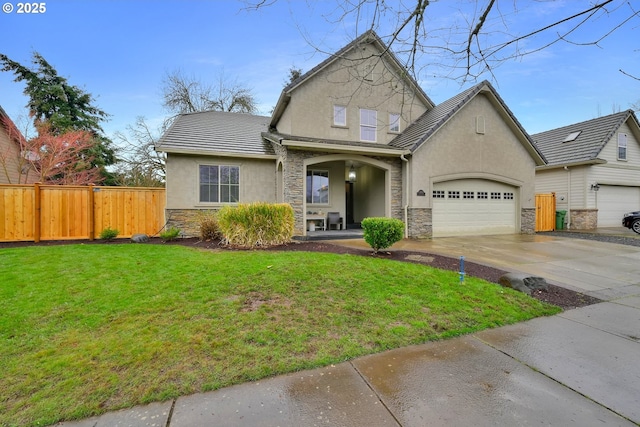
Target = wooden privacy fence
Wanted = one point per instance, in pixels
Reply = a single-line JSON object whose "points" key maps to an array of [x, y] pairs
{"points": [[546, 212], [61, 212]]}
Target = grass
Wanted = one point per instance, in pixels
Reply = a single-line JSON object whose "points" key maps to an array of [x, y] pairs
{"points": [[85, 329]]}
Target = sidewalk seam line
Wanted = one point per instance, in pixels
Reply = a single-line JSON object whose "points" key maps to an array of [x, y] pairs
{"points": [[554, 380], [173, 405], [376, 394]]}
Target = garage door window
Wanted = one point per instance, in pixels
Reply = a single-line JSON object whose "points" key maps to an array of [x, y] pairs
{"points": [[454, 194], [508, 196], [483, 195], [495, 196], [468, 194], [438, 194]]}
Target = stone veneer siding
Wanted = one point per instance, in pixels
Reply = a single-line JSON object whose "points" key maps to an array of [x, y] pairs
{"points": [[186, 220], [420, 223], [583, 219], [528, 221], [294, 176]]}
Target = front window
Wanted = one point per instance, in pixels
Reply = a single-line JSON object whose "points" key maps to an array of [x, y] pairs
{"points": [[219, 184], [394, 122], [622, 146], [339, 115], [317, 186], [368, 123]]}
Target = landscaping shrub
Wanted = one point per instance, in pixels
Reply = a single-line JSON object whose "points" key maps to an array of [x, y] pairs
{"points": [[381, 233], [208, 222], [109, 234], [256, 224], [169, 234]]}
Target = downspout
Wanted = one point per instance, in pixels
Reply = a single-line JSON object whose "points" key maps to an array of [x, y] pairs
{"points": [[568, 197], [406, 203]]}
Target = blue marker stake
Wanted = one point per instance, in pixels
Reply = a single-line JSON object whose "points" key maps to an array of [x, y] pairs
{"points": [[461, 269]]}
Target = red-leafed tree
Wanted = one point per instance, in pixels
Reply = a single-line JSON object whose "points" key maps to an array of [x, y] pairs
{"points": [[62, 158]]}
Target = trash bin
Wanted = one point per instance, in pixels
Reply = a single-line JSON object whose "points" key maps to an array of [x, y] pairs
{"points": [[560, 219]]}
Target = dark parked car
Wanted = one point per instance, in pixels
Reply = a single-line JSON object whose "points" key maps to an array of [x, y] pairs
{"points": [[632, 220]]}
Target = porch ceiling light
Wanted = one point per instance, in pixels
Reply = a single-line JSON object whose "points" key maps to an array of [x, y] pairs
{"points": [[352, 174]]}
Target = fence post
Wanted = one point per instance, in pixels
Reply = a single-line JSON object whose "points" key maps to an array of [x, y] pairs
{"points": [[92, 209], [36, 217]]}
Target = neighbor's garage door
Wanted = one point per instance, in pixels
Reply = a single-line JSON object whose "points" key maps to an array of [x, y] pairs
{"points": [[615, 201], [473, 207]]}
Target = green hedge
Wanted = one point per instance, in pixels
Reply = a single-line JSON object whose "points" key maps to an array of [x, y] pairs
{"points": [[256, 224], [381, 233]]}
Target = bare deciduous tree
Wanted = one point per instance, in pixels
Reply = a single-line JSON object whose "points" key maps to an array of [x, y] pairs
{"points": [[185, 94], [140, 165], [479, 35]]}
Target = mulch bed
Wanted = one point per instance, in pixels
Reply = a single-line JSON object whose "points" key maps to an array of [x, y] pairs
{"points": [[562, 297]]}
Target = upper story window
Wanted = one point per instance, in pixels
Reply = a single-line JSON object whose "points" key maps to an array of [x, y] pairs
{"points": [[339, 115], [394, 122], [368, 123], [317, 186], [219, 184], [622, 146]]}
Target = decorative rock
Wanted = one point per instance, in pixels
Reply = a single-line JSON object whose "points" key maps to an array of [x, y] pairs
{"points": [[523, 282], [139, 238]]}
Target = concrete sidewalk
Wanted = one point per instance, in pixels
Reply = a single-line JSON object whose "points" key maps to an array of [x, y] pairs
{"points": [[580, 367]]}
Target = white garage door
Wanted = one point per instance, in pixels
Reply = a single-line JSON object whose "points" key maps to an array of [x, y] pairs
{"points": [[615, 201], [473, 207]]}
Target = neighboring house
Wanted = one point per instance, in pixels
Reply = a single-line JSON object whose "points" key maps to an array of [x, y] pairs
{"points": [[13, 168], [594, 169], [358, 136]]}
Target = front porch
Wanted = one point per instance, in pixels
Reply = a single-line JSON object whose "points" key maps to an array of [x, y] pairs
{"points": [[350, 233]]}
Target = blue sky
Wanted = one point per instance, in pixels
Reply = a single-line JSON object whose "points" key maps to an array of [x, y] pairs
{"points": [[119, 52]]}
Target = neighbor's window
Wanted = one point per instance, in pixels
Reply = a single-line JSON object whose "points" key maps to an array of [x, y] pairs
{"points": [[339, 115], [622, 146], [394, 122], [317, 186], [219, 184], [368, 122]]}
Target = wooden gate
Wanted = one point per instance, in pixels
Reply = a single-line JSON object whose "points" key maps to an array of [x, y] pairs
{"points": [[546, 212]]}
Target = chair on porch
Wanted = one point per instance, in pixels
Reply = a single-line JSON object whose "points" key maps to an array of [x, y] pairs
{"points": [[334, 218]]}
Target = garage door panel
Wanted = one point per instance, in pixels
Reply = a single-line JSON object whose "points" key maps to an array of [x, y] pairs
{"points": [[490, 208], [615, 201]]}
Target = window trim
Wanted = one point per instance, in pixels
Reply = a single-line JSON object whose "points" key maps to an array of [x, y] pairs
{"points": [[309, 170], [220, 184], [396, 121], [619, 146], [336, 108], [369, 126]]}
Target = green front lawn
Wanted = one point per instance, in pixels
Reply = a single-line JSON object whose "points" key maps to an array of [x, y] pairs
{"points": [[86, 329]]}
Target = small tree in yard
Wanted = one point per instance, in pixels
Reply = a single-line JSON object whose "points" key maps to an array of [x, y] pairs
{"points": [[381, 233]]}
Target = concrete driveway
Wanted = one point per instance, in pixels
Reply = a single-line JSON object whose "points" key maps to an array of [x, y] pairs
{"points": [[600, 269]]}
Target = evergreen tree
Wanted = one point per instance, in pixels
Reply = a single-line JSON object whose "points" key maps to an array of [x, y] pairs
{"points": [[62, 107]]}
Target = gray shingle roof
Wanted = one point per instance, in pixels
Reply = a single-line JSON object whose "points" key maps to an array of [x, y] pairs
{"points": [[217, 132], [594, 134], [431, 121]]}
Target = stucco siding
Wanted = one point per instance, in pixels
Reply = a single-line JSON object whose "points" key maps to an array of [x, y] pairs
{"points": [[257, 180], [457, 151], [355, 83]]}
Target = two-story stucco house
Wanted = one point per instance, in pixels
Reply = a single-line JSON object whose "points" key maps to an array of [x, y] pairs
{"points": [[358, 136], [594, 169]]}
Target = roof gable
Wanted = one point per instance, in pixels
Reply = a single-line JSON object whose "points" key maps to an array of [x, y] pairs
{"points": [[369, 37], [217, 132], [582, 142], [430, 122]]}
